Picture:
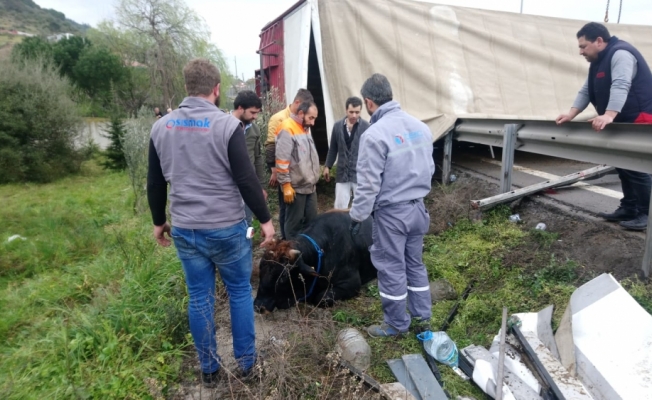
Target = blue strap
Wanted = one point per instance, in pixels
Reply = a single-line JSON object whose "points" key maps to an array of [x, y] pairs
{"points": [[320, 253]]}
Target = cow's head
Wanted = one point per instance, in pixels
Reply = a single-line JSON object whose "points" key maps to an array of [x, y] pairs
{"points": [[279, 285]]}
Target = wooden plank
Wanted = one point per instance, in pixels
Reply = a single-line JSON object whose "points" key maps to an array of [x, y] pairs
{"points": [[371, 382], [423, 379], [501, 357], [493, 201], [395, 391]]}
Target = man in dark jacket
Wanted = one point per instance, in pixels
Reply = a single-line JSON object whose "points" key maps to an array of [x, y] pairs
{"points": [[345, 140], [246, 107], [619, 86]]}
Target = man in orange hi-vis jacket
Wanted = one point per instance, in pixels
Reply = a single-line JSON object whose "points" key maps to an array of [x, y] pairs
{"points": [[297, 168]]}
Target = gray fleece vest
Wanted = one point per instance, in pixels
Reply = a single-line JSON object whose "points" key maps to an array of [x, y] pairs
{"points": [[192, 144]]}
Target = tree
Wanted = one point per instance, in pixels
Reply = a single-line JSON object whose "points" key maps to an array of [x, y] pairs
{"points": [[32, 48], [163, 35], [67, 52], [39, 123], [114, 153], [97, 71]]}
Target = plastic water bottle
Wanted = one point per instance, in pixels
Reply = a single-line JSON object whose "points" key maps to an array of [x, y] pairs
{"points": [[354, 348], [515, 218], [440, 347]]}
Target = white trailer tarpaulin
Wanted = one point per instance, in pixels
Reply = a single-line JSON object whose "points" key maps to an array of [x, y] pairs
{"points": [[447, 62]]}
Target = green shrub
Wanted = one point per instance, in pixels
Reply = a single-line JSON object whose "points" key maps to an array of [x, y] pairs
{"points": [[115, 156], [39, 123]]}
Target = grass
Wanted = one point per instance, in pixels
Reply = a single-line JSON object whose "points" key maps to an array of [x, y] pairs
{"points": [[483, 252], [89, 306]]}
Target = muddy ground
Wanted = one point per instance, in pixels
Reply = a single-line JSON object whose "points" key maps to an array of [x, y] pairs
{"points": [[596, 246]]}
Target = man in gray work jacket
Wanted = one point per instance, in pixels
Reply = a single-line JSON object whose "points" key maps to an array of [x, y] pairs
{"points": [[395, 167], [201, 153], [619, 86], [246, 107], [345, 140]]}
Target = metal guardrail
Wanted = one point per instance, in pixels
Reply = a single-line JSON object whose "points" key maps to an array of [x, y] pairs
{"points": [[627, 146]]}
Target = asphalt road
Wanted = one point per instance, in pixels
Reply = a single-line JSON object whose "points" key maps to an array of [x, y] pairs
{"points": [[592, 196]]}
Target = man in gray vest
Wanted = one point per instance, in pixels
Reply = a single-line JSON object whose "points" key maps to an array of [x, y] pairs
{"points": [[345, 140], [201, 153], [395, 167]]}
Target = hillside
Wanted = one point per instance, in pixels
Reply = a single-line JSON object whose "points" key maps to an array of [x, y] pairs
{"points": [[27, 16]]}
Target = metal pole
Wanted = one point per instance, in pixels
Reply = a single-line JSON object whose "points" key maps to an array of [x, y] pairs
{"points": [[501, 357], [448, 152], [521, 6], [509, 142], [647, 258]]}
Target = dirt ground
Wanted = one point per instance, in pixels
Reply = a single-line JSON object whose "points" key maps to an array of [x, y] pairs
{"points": [[596, 246]]}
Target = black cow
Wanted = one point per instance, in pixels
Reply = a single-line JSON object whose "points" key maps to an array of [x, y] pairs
{"points": [[289, 268]]}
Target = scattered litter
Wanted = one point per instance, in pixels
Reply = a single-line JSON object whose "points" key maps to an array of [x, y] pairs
{"points": [[453, 178], [354, 348], [541, 226], [14, 237], [515, 218], [442, 348]]}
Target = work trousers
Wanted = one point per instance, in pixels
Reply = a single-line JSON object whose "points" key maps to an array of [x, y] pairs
{"points": [[397, 249], [281, 211], [299, 213], [636, 191]]}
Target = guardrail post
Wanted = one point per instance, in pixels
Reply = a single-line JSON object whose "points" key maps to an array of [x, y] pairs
{"points": [[509, 143], [647, 258], [448, 153]]}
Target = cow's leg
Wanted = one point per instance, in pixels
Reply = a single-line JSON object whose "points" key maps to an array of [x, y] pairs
{"points": [[389, 235], [419, 302]]}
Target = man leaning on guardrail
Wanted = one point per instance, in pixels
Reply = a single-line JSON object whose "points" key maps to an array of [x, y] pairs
{"points": [[619, 86]]}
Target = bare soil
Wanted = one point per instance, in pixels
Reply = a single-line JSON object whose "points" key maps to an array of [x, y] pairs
{"points": [[302, 338]]}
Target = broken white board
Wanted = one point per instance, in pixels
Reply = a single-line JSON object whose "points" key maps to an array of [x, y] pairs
{"points": [[514, 361], [479, 357], [612, 335], [570, 387], [540, 324]]}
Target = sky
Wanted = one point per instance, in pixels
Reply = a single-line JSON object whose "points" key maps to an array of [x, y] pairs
{"points": [[236, 24]]}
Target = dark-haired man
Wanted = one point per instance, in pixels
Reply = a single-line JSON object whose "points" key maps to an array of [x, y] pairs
{"points": [[302, 96], [201, 153], [297, 165], [619, 86], [395, 167], [246, 107], [345, 140]]}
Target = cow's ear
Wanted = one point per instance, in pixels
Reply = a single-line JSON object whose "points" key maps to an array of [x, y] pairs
{"points": [[293, 254]]}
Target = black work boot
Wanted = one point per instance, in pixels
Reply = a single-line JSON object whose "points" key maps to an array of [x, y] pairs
{"points": [[620, 214], [420, 325], [637, 224], [211, 380]]}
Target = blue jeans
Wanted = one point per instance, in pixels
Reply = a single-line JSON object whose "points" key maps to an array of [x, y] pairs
{"points": [[636, 191], [201, 252]]}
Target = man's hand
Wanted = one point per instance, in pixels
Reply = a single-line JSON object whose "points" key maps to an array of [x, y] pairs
{"points": [[327, 174], [267, 232], [159, 234], [288, 193], [563, 118], [600, 122], [265, 194], [354, 227], [272, 180]]}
